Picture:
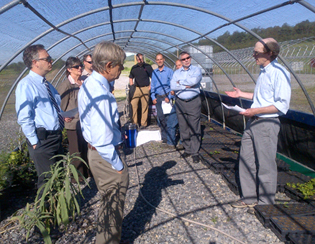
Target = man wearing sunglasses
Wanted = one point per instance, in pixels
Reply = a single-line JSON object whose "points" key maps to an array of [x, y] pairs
{"points": [[186, 84], [271, 98], [88, 66], [38, 111]]}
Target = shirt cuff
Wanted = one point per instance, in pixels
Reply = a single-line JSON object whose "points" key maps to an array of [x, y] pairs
{"points": [[33, 140]]}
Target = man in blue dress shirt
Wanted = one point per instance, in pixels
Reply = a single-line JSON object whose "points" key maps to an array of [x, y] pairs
{"points": [[271, 98], [99, 121], [37, 115], [160, 93], [186, 84]]}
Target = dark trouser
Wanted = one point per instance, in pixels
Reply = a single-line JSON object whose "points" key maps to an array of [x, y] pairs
{"points": [[188, 114], [112, 187], [43, 153], [171, 126], [162, 120], [78, 145]]}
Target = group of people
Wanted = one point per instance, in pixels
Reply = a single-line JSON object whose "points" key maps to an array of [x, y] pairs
{"points": [[96, 126], [180, 90]]}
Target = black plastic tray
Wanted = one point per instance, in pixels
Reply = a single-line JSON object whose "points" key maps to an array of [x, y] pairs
{"points": [[265, 212], [282, 226], [282, 166], [229, 177], [289, 177], [301, 239]]}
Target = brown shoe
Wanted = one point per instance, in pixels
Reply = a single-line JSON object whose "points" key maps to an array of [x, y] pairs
{"points": [[241, 204], [251, 211], [180, 147]]}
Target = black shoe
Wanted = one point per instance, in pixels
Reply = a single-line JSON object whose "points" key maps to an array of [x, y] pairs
{"points": [[196, 159], [185, 155]]}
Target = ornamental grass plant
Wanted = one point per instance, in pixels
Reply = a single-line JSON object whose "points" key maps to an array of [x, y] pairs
{"points": [[57, 201]]}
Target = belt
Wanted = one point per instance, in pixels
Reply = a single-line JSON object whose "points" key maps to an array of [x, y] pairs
{"points": [[188, 100], [53, 132], [257, 118], [94, 149], [162, 95]]}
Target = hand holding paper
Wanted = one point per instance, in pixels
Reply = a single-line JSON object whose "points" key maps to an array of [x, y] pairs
{"points": [[166, 107], [235, 108]]}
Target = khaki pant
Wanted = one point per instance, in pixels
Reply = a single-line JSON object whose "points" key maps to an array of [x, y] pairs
{"points": [[112, 187], [141, 93]]}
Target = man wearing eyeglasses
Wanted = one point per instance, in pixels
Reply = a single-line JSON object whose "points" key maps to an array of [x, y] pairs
{"points": [[186, 84], [88, 66], [38, 111], [271, 98], [140, 75]]}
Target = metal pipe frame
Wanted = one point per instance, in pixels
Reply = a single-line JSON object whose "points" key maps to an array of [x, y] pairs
{"points": [[142, 4]]}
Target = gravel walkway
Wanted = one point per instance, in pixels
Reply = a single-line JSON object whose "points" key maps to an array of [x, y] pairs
{"points": [[187, 190]]}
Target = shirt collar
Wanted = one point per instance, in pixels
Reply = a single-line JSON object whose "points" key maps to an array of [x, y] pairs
{"points": [[97, 76], [161, 70], [264, 69], [37, 76], [182, 68]]}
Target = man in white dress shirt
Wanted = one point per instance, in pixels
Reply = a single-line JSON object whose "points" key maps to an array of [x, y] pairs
{"points": [[271, 98], [99, 120]]}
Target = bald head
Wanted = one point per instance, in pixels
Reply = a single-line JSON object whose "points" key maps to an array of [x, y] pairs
{"points": [[178, 64], [270, 45]]}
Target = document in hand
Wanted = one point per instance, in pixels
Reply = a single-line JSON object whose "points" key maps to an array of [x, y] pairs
{"points": [[235, 108], [166, 107]]}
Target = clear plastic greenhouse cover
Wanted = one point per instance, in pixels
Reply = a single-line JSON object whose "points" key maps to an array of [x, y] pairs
{"points": [[220, 35]]}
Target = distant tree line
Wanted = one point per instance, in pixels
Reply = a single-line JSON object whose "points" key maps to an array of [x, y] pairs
{"points": [[286, 32]]}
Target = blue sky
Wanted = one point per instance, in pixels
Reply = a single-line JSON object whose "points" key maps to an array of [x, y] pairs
{"points": [[19, 25]]}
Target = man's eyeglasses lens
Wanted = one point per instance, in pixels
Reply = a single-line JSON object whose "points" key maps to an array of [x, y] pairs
{"points": [[90, 62], [77, 66], [184, 59], [48, 59]]}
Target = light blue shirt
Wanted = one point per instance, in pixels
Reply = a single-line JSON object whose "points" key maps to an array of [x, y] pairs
{"points": [[273, 87], [33, 106], [182, 78], [160, 82], [99, 118]]}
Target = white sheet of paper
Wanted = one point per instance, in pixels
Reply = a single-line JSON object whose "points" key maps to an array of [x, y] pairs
{"points": [[166, 107], [145, 136], [70, 113], [235, 108]]}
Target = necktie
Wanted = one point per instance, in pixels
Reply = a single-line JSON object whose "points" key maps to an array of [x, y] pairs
{"points": [[53, 101]]}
